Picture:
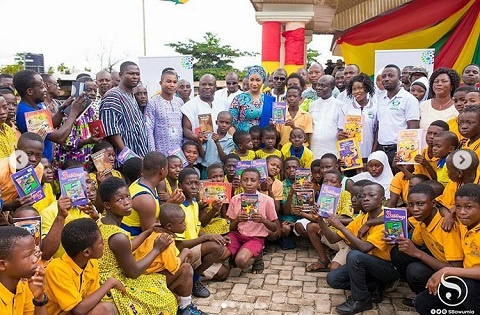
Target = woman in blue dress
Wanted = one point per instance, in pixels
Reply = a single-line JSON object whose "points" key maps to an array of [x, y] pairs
{"points": [[252, 108]]}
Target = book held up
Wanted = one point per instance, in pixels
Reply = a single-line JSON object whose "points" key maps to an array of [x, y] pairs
{"points": [[409, 145], [125, 154], [73, 185], [395, 221], [353, 127], [279, 112], [349, 153], [328, 200], [212, 191], [39, 120], [304, 198], [26, 183], [205, 123], [249, 203], [33, 225]]}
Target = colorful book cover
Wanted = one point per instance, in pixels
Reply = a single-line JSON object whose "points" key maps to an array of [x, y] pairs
{"points": [[409, 145], [205, 122], [26, 182], [241, 166], [328, 200], [102, 164], [353, 126], [178, 152], [302, 175], [395, 223], [73, 185], [125, 154], [212, 191], [261, 166], [279, 112], [38, 120], [33, 225], [96, 129], [305, 198], [350, 154], [249, 203]]}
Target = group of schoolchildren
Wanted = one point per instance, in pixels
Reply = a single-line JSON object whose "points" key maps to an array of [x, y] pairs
{"points": [[145, 238]]}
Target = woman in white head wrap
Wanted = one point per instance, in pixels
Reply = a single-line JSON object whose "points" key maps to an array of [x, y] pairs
{"points": [[378, 171], [379, 89], [419, 89]]}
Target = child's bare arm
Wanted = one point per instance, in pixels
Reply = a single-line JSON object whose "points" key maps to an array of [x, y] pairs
{"points": [[271, 225], [331, 236], [206, 216], [345, 219], [434, 281], [89, 302], [392, 202], [355, 242]]}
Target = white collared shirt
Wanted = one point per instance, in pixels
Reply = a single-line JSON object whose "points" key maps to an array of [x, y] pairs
{"points": [[222, 94], [196, 106], [393, 115], [325, 120]]}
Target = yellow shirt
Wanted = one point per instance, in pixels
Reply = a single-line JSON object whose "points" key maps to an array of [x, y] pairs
{"points": [[400, 186], [19, 303], [373, 236], [7, 187], [136, 189], [166, 260], [470, 245], [48, 217], [191, 221], [447, 199], [93, 176], [420, 169], [475, 147], [444, 246], [66, 284], [305, 160], [442, 175], [453, 127], [302, 120], [8, 141], [249, 157], [260, 154], [48, 200]]}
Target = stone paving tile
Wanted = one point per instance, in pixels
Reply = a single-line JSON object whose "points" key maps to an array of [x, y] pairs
{"points": [[285, 288]]}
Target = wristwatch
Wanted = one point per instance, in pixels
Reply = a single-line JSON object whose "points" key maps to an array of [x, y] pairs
{"points": [[41, 303]]}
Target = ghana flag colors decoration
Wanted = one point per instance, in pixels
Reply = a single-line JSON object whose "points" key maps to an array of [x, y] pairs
{"points": [[451, 27]]}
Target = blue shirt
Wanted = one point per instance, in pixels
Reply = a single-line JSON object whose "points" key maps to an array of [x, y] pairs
{"points": [[211, 151], [23, 108]]}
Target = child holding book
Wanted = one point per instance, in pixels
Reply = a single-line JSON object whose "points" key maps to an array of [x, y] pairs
{"points": [[296, 117], [146, 293], [212, 215], [47, 180], [444, 143], [168, 188], [368, 264], [72, 281], [244, 145], [19, 261], [467, 208], [256, 135], [206, 248], [344, 212], [427, 162], [216, 146], [269, 140], [171, 262], [444, 248], [249, 230], [296, 147]]}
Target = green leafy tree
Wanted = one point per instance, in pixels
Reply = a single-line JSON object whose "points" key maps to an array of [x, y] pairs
{"points": [[312, 56], [19, 65], [51, 70], [210, 56]]}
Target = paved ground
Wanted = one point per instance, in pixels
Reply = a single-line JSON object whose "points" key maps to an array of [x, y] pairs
{"points": [[285, 288]]}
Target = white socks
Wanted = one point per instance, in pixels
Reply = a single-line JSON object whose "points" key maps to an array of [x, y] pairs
{"points": [[184, 301]]}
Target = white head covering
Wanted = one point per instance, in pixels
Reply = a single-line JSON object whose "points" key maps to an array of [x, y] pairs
{"points": [[378, 93], [385, 178], [423, 82]]}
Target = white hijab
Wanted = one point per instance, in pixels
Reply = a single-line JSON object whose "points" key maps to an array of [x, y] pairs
{"points": [[423, 82], [379, 93], [384, 179]]}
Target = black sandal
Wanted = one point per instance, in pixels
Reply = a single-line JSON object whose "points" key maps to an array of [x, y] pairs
{"points": [[258, 265]]}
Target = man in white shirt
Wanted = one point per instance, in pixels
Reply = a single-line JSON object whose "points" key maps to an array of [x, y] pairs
{"points": [[228, 94], [324, 112], [397, 110], [204, 103], [350, 71]]}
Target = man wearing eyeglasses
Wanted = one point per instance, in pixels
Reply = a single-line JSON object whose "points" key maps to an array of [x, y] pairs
{"points": [[228, 94], [52, 93], [279, 81]]}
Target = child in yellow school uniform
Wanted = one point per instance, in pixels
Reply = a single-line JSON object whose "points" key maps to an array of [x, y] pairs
{"points": [[243, 143], [269, 140], [444, 143], [467, 209], [469, 127], [296, 147], [72, 281]]}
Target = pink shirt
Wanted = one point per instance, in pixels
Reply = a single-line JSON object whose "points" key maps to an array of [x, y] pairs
{"points": [[266, 208]]}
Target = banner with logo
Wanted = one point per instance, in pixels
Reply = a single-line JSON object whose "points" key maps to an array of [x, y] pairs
{"points": [[405, 57]]}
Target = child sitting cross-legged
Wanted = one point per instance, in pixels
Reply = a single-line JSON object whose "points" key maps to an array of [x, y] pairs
{"points": [[19, 262], [345, 213], [212, 213], [145, 293], [368, 268], [443, 248], [248, 231], [467, 210], [72, 281], [172, 263]]}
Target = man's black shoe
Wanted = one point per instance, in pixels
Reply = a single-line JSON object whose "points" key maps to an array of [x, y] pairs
{"points": [[409, 302], [352, 306]]}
